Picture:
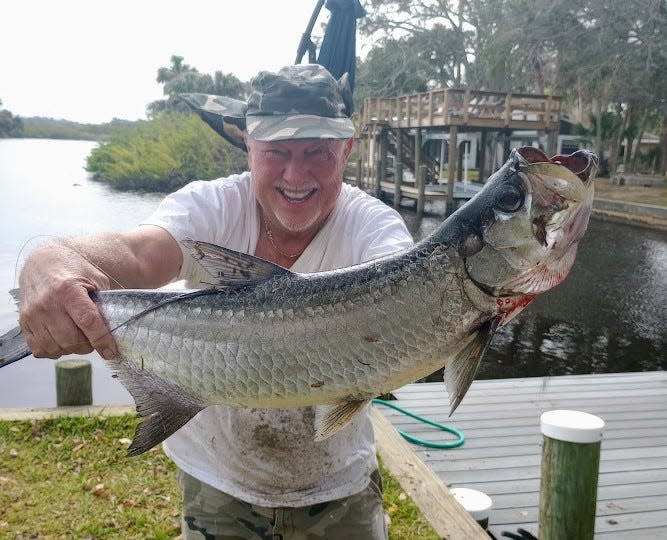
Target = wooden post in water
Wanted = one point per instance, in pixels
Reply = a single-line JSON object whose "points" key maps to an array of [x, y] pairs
{"points": [[398, 168], [451, 173], [384, 143], [570, 465], [419, 179], [74, 382], [482, 157]]}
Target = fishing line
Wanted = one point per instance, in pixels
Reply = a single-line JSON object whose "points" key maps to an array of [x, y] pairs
{"points": [[422, 442], [81, 254], [23, 246]]}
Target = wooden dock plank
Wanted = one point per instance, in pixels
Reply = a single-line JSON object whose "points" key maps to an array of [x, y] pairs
{"points": [[436, 503], [502, 453]]}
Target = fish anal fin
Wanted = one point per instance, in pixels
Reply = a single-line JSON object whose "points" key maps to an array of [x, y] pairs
{"points": [[461, 370], [230, 268], [162, 405], [330, 419]]}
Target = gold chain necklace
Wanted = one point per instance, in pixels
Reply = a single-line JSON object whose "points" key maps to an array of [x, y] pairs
{"points": [[269, 235]]}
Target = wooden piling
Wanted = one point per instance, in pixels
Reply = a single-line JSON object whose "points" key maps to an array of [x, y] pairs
{"points": [[570, 465], [451, 173], [482, 157], [398, 168], [74, 382], [382, 165], [419, 179]]}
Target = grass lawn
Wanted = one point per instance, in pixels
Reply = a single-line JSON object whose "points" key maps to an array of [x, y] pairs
{"points": [[70, 478]]}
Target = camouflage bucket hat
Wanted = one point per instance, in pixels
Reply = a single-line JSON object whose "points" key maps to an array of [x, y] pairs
{"points": [[297, 102]]}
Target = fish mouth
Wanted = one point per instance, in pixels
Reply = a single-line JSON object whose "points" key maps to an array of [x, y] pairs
{"points": [[562, 201], [296, 196], [531, 249]]}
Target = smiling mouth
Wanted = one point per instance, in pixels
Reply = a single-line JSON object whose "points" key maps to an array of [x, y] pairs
{"points": [[296, 196]]}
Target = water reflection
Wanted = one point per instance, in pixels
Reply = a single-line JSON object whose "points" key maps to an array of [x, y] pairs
{"points": [[609, 315]]}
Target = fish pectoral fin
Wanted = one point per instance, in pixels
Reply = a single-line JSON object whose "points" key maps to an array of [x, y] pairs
{"points": [[230, 268], [12, 347], [162, 405], [330, 419], [461, 370]]}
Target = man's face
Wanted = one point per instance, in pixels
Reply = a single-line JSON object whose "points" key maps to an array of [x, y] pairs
{"points": [[297, 182]]}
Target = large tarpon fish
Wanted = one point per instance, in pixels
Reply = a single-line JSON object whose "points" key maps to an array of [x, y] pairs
{"points": [[268, 337]]}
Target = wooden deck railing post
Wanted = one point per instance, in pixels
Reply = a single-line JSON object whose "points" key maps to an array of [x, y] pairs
{"points": [[482, 157], [570, 465], [445, 108], [466, 105], [430, 108], [508, 109]]}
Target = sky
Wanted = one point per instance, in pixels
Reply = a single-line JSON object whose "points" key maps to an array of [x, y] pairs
{"points": [[95, 60]]}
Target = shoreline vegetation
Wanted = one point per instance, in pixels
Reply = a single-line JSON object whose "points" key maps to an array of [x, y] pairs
{"points": [[70, 477], [49, 128], [163, 154]]}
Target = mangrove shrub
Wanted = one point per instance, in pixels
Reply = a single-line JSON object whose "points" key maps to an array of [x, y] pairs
{"points": [[164, 154]]}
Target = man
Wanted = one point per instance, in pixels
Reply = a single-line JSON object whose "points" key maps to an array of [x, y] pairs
{"points": [[245, 473]]}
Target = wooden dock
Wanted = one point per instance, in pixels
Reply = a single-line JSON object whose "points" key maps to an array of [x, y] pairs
{"points": [[502, 453], [435, 192], [393, 126]]}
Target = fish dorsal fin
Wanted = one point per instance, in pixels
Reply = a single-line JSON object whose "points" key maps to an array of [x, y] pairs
{"points": [[330, 419], [230, 268], [461, 370]]}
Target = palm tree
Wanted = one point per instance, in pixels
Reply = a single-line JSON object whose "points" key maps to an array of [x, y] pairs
{"points": [[166, 74]]}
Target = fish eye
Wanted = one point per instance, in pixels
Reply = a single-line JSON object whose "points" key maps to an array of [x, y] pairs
{"points": [[510, 200]]}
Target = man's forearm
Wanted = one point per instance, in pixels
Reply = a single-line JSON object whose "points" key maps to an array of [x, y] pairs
{"points": [[142, 258], [56, 313]]}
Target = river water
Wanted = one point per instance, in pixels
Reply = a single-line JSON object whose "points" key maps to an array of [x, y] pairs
{"points": [[608, 316]]}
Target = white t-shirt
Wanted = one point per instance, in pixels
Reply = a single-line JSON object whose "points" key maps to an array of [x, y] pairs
{"points": [[268, 456]]}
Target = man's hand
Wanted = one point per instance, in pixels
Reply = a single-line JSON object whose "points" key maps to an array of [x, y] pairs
{"points": [[56, 314]]}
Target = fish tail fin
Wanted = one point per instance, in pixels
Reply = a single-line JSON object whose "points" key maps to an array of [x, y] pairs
{"points": [[162, 405], [12, 347]]}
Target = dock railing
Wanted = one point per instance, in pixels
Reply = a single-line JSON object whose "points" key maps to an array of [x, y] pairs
{"points": [[464, 107]]}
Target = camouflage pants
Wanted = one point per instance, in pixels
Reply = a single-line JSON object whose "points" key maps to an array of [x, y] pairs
{"points": [[209, 514]]}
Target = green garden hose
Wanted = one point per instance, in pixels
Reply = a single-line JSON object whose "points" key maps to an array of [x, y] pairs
{"points": [[428, 444]]}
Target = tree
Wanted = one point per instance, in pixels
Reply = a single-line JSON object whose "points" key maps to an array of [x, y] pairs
{"points": [[10, 125], [166, 74], [605, 58], [182, 78], [434, 30], [390, 71], [228, 84]]}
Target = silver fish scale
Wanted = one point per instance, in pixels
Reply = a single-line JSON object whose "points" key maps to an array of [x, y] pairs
{"points": [[294, 342]]}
